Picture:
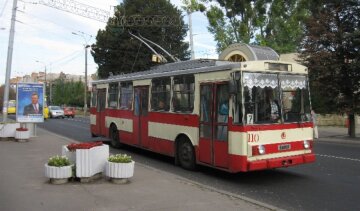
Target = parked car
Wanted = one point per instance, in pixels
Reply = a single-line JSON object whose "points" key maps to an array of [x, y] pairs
{"points": [[12, 107], [69, 112], [55, 112]]}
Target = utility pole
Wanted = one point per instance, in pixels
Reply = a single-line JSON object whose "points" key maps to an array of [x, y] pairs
{"points": [[191, 35], [86, 46], [9, 61], [86, 87]]}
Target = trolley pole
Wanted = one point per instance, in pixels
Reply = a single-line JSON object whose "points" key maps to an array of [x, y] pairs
{"points": [[9, 61]]}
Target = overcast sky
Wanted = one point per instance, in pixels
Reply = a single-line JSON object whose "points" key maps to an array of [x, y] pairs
{"points": [[44, 34]]}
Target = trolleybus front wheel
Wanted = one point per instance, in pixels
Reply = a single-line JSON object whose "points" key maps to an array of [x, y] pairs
{"points": [[186, 154]]}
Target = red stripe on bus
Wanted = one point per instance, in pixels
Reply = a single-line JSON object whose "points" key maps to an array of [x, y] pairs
{"points": [[118, 113], [174, 119]]}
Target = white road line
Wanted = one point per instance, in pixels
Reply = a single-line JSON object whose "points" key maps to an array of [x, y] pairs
{"points": [[336, 157]]}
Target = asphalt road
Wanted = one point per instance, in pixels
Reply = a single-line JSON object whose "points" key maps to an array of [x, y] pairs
{"points": [[332, 183]]}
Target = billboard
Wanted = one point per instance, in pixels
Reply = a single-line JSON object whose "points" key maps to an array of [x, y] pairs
{"points": [[30, 101]]}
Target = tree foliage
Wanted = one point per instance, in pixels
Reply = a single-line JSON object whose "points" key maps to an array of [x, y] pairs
{"points": [[117, 52], [274, 23], [331, 51], [12, 95], [69, 93]]}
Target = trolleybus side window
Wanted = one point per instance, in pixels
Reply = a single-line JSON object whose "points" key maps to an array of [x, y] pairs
{"points": [[295, 96], [93, 96], [113, 95], [126, 95], [261, 94], [183, 93], [236, 92], [160, 94], [222, 101]]}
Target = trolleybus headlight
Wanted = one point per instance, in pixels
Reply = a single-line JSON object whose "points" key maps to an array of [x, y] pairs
{"points": [[261, 149], [306, 144]]}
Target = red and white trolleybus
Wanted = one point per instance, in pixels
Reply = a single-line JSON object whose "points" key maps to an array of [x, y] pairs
{"points": [[234, 116]]}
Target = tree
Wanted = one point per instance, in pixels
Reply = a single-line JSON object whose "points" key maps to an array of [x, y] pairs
{"points": [[12, 95], [274, 23], [331, 51], [285, 23], [117, 52], [68, 92]]}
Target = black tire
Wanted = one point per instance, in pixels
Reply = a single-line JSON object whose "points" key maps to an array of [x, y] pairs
{"points": [[186, 154], [114, 135]]}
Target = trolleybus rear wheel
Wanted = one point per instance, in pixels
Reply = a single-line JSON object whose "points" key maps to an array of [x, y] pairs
{"points": [[114, 135], [186, 154]]}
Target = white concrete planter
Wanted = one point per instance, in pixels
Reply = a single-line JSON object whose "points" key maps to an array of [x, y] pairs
{"points": [[88, 162], [7, 130], [58, 175], [22, 136], [119, 172]]}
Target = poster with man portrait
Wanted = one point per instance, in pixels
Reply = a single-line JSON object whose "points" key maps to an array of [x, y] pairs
{"points": [[30, 101]]}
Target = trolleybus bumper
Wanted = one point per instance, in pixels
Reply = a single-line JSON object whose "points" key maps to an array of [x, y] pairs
{"points": [[281, 162]]}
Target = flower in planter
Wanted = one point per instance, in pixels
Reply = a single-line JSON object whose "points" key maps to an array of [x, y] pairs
{"points": [[88, 145], [58, 161], [22, 129], [120, 158], [119, 168]]}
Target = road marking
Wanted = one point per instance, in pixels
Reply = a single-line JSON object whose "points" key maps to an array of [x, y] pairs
{"points": [[336, 157]]}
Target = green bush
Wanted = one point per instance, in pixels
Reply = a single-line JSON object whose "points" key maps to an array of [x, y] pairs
{"points": [[59, 161], [120, 158]]}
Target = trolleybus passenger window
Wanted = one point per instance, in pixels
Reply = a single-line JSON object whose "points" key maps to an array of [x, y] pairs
{"points": [[295, 96], [126, 95], [222, 99], [160, 94], [262, 103], [205, 111], [93, 96], [183, 93], [113, 95]]}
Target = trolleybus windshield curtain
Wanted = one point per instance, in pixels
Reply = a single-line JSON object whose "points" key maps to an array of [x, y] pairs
{"points": [[263, 103]]}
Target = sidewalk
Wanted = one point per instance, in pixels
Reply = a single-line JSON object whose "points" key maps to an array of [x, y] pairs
{"points": [[23, 185], [338, 134]]}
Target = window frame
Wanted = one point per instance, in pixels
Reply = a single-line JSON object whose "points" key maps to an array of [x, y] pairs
{"points": [[113, 92], [190, 92], [159, 87], [129, 93]]}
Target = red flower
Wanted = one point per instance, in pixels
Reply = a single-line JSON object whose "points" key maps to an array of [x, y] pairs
{"points": [[22, 129], [87, 145]]}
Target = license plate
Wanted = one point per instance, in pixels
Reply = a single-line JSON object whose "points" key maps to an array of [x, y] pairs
{"points": [[284, 147]]}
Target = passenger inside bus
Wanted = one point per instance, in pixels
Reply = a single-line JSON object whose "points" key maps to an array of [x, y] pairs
{"points": [[273, 108]]}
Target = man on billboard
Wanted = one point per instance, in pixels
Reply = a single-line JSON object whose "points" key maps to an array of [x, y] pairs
{"points": [[34, 107], [30, 102]]}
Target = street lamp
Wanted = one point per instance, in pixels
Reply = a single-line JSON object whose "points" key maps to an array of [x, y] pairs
{"points": [[86, 46]]}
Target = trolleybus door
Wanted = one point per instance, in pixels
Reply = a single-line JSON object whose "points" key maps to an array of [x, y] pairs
{"points": [[141, 105], [213, 143], [100, 111]]}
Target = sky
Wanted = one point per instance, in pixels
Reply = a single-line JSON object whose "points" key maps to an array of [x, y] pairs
{"points": [[44, 37]]}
